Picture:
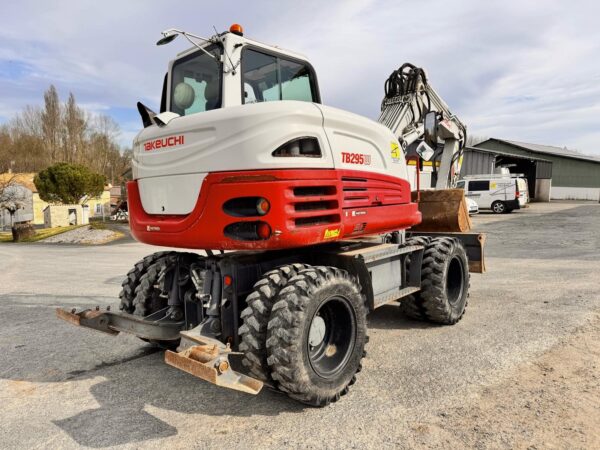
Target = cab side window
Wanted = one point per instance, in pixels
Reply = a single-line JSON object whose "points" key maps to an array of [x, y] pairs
{"points": [[270, 78], [295, 81]]}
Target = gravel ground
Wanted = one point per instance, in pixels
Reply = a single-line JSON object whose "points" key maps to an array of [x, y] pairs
{"points": [[519, 371], [84, 235]]}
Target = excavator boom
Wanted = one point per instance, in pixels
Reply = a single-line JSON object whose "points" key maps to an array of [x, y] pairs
{"points": [[420, 119]]}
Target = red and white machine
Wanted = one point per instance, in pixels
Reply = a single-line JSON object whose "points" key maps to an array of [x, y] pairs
{"points": [[244, 155]]}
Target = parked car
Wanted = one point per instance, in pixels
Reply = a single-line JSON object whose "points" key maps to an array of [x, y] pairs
{"points": [[500, 193], [472, 206]]}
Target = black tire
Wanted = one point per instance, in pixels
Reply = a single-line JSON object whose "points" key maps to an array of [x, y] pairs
{"points": [[444, 281], [412, 305], [148, 298], [132, 280], [311, 373], [253, 332], [499, 207]]}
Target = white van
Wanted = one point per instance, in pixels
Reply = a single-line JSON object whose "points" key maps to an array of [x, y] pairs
{"points": [[500, 193]]}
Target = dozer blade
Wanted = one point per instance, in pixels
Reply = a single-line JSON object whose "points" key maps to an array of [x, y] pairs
{"points": [[443, 210], [208, 359]]}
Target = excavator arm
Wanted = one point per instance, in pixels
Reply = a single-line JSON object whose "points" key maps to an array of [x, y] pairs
{"points": [[419, 118]]}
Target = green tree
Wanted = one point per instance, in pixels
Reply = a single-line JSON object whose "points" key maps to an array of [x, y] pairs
{"points": [[68, 183]]}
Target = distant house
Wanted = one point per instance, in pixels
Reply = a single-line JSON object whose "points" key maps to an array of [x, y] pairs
{"points": [[34, 210], [99, 206], [34, 206], [116, 195]]}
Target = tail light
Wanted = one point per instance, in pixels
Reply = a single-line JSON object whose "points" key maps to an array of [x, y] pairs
{"points": [[263, 230], [262, 206]]}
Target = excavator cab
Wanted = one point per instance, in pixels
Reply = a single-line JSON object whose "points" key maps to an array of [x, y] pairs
{"points": [[229, 70]]}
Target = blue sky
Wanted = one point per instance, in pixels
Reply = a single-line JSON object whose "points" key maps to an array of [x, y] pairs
{"points": [[519, 70]]}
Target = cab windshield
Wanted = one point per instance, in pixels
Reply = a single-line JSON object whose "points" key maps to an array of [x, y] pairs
{"points": [[196, 82]]}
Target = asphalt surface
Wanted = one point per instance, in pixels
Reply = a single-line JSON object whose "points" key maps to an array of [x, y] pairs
{"points": [[64, 387]]}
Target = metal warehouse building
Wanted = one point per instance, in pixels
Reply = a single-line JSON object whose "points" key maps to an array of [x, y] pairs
{"points": [[552, 172]]}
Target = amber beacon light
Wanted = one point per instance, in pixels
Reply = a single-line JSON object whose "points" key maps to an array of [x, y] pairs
{"points": [[236, 28]]}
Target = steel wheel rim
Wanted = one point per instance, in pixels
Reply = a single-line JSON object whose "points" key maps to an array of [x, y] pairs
{"points": [[331, 354]]}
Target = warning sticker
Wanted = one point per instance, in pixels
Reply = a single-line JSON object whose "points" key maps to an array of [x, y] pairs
{"points": [[330, 234], [396, 153]]}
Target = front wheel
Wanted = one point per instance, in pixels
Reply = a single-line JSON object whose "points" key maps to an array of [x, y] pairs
{"points": [[317, 334], [499, 207]]}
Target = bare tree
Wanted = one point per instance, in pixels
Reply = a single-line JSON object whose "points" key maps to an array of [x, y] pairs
{"points": [[51, 121], [74, 127], [12, 196], [37, 138]]}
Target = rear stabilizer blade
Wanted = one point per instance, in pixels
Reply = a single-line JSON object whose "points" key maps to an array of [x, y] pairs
{"points": [[211, 363]]}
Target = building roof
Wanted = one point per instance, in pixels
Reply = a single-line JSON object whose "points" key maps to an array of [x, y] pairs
{"points": [[512, 155], [23, 179], [547, 150]]}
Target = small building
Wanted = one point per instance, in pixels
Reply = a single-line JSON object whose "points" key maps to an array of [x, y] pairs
{"points": [[559, 172], [64, 216]]}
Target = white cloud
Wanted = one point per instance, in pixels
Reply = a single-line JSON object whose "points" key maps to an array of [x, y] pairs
{"points": [[522, 70]]}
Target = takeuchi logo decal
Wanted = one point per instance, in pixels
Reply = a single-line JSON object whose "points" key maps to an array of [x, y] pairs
{"points": [[170, 141]]}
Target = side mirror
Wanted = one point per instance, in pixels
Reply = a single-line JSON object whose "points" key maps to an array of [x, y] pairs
{"points": [[430, 129], [147, 114], [425, 151]]}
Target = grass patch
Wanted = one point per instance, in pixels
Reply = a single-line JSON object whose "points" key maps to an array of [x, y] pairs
{"points": [[39, 234], [5, 236], [95, 225]]}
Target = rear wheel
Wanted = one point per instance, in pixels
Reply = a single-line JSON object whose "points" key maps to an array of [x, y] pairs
{"points": [[444, 281], [152, 292], [132, 280], [317, 334], [412, 305], [253, 332], [148, 298], [499, 207]]}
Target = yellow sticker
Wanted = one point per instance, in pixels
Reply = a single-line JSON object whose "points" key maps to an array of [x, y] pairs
{"points": [[395, 151], [330, 234], [493, 185]]}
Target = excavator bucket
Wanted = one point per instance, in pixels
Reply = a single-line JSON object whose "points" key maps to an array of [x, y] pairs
{"points": [[208, 359], [443, 211]]}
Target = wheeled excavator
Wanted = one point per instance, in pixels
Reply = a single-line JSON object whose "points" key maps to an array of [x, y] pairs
{"points": [[303, 218]]}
